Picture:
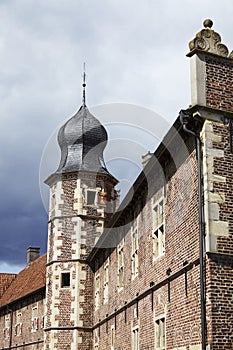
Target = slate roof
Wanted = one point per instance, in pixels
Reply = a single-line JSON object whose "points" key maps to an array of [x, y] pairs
{"points": [[28, 281], [82, 140]]}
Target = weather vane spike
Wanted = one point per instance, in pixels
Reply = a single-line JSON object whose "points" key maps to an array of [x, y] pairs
{"points": [[84, 85]]}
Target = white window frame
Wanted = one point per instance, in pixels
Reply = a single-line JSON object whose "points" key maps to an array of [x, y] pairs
{"points": [[134, 251], [158, 228], [42, 322], [7, 329], [160, 337], [112, 340], [19, 324], [135, 338], [97, 291], [35, 319], [120, 266], [106, 281]]}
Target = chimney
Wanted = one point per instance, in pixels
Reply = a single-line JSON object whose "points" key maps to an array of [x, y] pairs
{"points": [[145, 158], [32, 254]]}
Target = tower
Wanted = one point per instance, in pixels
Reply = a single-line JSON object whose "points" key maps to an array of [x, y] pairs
{"points": [[82, 199]]}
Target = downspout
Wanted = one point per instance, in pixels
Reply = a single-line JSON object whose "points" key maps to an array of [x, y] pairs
{"points": [[184, 118]]}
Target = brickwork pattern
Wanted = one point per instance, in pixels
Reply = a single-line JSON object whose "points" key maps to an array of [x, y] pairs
{"points": [[176, 295], [219, 87], [220, 301], [29, 338], [73, 229], [224, 166]]}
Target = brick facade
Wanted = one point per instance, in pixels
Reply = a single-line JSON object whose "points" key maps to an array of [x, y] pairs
{"points": [[25, 330], [131, 279]]}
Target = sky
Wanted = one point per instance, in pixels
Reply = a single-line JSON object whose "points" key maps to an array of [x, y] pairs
{"points": [[137, 81]]}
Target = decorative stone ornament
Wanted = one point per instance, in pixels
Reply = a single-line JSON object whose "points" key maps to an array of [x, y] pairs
{"points": [[208, 40]]}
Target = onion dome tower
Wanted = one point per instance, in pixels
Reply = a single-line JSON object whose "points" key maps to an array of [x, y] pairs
{"points": [[82, 200], [82, 140]]}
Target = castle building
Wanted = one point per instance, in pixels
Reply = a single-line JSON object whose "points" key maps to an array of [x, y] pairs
{"points": [[156, 271]]}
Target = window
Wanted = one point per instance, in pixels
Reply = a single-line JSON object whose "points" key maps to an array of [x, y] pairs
{"points": [[19, 324], [120, 253], [91, 197], [97, 291], [35, 319], [42, 319], [160, 334], [134, 256], [112, 338], [135, 339], [53, 201], [7, 327], [106, 281], [158, 229], [65, 279]]}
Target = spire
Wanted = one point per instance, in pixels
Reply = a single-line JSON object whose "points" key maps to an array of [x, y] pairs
{"points": [[84, 85]]}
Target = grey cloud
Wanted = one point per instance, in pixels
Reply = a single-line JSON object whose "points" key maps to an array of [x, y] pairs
{"points": [[135, 53]]}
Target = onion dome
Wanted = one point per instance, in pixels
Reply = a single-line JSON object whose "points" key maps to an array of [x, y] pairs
{"points": [[82, 140]]}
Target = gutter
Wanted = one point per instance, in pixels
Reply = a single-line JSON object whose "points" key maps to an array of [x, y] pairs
{"points": [[184, 119]]}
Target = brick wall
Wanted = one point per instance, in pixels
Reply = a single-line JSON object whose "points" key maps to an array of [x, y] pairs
{"points": [[24, 335], [220, 301], [174, 294], [74, 227], [219, 230], [219, 87]]}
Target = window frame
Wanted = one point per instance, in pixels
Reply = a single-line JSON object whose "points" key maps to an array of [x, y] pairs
{"points": [[97, 291], [106, 281], [160, 340], [63, 279], [94, 191], [158, 228], [120, 266], [112, 340], [35, 319], [134, 249], [7, 328], [135, 330]]}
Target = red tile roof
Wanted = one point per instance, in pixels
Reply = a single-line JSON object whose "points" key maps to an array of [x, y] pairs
{"points": [[5, 281], [29, 280]]}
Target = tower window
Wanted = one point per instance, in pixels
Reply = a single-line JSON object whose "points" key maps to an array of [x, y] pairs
{"points": [[65, 279], [91, 197]]}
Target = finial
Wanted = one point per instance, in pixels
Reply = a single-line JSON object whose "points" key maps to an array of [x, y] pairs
{"points": [[84, 85], [208, 23], [207, 40]]}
